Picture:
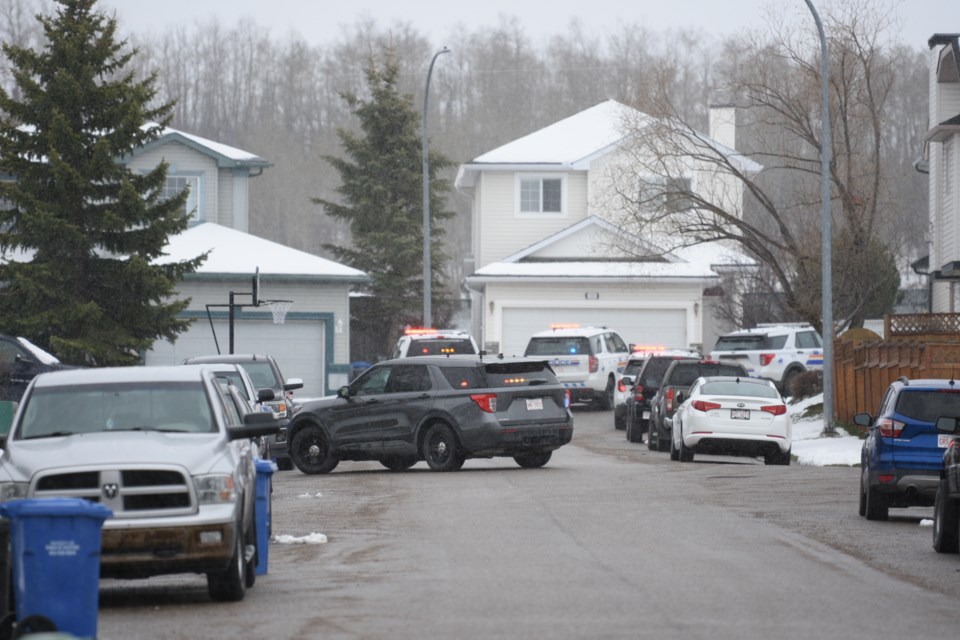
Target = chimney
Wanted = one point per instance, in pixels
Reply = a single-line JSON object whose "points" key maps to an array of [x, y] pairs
{"points": [[723, 124]]}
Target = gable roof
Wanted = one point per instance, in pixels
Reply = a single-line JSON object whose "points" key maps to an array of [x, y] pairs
{"points": [[234, 252], [699, 264], [227, 157]]}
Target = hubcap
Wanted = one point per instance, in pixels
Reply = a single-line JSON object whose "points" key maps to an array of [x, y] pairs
{"points": [[314, 451]]}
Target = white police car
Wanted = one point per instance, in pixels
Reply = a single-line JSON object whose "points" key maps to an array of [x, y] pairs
{"points": [[776, 352], [434, 342]]}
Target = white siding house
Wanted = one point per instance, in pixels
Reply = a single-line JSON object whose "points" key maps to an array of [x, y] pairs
{"points": [[548, 246], [943, 151]]}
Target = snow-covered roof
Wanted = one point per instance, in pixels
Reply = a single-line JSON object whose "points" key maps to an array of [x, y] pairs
{"points": [[236, 252], [225, 155]]}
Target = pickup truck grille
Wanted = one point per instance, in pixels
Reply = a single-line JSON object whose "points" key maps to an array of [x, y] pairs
{"points": [[129, 493]]}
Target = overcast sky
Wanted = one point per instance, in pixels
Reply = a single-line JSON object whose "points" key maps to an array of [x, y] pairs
{"points": [[321, 22]]}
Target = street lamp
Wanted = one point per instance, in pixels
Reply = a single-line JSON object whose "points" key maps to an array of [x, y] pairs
{"points": [[427, 314], [826, 255]]}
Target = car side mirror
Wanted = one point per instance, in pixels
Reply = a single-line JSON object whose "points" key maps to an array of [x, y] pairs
{"points": [[948, 424], [863, 420], [255, 424], [627, 380], [265, 394], [344, 392], [679, 398], [293, 383]]}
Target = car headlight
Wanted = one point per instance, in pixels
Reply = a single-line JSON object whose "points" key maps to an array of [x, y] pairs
{"points": [[216, 489], [13, 490]]}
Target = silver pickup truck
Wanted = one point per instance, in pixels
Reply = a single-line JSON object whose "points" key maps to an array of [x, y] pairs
{"points": [[167, 449]]}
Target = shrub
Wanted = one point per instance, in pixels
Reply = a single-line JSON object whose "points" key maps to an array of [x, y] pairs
{"points": [[805, 385]]}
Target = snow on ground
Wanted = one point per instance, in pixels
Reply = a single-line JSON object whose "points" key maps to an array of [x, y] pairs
{"points": [[810, 448]]}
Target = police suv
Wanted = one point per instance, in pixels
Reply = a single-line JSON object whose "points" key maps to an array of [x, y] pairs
{"points": [[776, 352]]}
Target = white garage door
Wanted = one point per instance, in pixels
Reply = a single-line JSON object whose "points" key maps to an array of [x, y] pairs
{"points": [[297, 345], [666, 327]]}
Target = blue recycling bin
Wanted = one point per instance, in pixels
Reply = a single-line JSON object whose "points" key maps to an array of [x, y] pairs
{"points": [[265, 471], [55, 553]]}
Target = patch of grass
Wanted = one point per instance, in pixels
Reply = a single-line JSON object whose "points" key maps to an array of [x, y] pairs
{"points": [[813, 411]]}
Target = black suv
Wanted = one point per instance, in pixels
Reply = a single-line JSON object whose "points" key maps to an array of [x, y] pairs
{"points": [[678, 378], [20, 362], [946, 510], [265, 374], [645, 385], [439, 409]]}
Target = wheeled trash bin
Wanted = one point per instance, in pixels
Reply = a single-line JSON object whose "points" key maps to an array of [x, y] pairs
{"points": [[265, 471]]}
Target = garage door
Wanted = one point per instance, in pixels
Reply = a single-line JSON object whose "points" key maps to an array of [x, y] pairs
{"points": [[642, 326], [297, 345]]}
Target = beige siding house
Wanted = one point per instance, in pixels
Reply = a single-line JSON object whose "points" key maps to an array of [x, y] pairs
{"points": [[548, 247]]}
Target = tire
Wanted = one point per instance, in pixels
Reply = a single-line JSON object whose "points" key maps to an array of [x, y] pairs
{"points": [[605, 402], [251, 543], [310, 451], [441, 449], [787, 383], [685, 453], [652, 443], [619, 421], [633, 432], [876, 505], [863, 495], [230, 585], [533, 460], [946, 522], [399, 463], [781, 458], [674, 452]]}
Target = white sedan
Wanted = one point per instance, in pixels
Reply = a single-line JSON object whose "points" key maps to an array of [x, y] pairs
{"points": [[732, 416]]}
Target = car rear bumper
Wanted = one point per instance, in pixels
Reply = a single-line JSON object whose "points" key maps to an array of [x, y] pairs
{"points": [[513, 440], [736, 445], [916, 487]]}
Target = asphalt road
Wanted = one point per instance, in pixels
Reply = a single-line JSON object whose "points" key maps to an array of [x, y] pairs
{"points": [[609, 540]]}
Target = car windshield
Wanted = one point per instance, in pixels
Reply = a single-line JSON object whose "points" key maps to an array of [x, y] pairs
{"points": [[926, 405], [440, 346], [152, 406], [518, 374], [558, 346], [738, 388]]}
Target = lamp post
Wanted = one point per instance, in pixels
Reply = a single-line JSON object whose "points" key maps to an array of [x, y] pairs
{"points": [[427, 279], [826, 256]]}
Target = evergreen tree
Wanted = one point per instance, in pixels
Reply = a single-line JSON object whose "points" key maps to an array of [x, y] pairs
{"points": [[382, 200], [83, 229]]}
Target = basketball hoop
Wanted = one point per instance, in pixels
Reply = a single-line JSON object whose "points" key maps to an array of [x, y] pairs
{"points": [[279, 309]]}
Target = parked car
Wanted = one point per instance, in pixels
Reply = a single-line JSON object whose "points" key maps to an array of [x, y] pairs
{"points": [[166, 449], [946, 509], [678, 378], [20, 361], [434, 342], [440, 409], [586, 360], [901, 460], [627, 379], [645, 386], [234, 374], [265, 374], [731, 415], [775, 352]]}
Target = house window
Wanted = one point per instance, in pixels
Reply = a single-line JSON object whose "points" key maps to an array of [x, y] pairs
{"points": [[176, 184], [539, 194], [663, 194]]}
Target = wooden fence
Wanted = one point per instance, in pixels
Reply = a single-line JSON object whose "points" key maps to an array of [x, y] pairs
{"points": [[917, 346]]}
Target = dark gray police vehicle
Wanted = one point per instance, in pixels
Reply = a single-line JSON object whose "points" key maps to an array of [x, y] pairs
{"points": [[441, 409]]}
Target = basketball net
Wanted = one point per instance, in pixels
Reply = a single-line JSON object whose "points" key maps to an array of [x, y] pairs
{"points": [[279, 309]]}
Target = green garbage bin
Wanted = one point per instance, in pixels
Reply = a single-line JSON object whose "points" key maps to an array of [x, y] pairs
{"points": [[55, 553]]}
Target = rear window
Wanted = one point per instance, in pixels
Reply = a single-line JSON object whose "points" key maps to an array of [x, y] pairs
{"points": [[557, 346], [686, 374], [750, 342], [653, 372], [500, 374], [440, 347], [732, 388], [927, 405], [632, 367]]}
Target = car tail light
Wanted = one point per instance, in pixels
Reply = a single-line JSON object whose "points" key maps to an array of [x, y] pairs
{"points": [[486, 401], [638, 393], [703, 405], [668, 399], [766, 358], [775, 409], [594, 364], [890, 428], [621, 387], [886, 478], [566, 398]]}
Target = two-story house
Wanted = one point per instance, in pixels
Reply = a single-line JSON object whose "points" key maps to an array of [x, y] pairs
{"points": [[943, 153], [548, 246], [313, 343]]}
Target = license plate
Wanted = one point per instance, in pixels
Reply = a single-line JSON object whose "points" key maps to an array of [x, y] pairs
{"points": [[740, 414], [534, 404], [944, 440], [646, 415]]}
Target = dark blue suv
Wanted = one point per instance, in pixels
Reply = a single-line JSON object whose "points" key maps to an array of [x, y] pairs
{"points": [[902, 457]]}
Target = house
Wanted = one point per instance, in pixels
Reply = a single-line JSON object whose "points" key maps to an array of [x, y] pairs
{"points": [[313, 343], [943, 154], [548, 246]]}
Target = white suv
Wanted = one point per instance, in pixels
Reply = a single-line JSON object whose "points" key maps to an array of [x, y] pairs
{"points": [[434, 342], [585, 359], [776, 352]]}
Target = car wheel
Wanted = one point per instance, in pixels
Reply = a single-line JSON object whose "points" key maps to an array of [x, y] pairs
{"points": [[663, 444], [533, 460], [652, 441], [252, 551], [786, 385], [633, 432], [441, 450], [619, 421], [778, 457], [685, 453], [399, 463], [876, 504], [674, 452], [310, 451], [230, 585], [863, 494], [605, 402], [946, 522]]}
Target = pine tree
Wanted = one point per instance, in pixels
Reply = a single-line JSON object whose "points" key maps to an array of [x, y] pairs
{"points": [[382, 200], [85, 228]]}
